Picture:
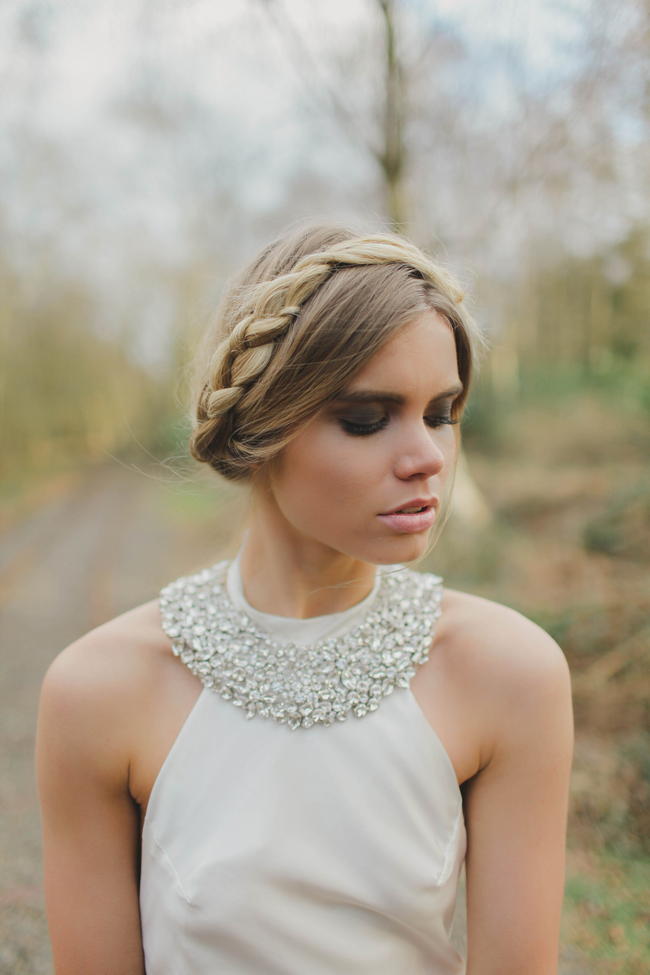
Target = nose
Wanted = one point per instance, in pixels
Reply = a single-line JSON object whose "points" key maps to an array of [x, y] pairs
{"points": [[419, 454]]}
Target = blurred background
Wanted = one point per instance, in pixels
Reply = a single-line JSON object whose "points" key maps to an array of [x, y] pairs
{"points": [[148, 150]]}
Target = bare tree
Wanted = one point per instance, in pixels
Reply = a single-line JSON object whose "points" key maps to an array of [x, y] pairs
{"points": [[392, 156], [381, 137], [389, 149]]}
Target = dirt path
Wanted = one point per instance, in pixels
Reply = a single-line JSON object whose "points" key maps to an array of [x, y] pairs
{"points": [[80, 559]]}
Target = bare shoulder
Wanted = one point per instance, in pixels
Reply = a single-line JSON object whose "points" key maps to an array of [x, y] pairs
{"points": [[95, 688], [496, 639], [89, 725], [511, 696], [115, 655], [506, 667]]}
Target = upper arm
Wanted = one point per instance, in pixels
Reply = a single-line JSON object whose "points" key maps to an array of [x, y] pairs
{"points": [[89, 821], [516, 807]]}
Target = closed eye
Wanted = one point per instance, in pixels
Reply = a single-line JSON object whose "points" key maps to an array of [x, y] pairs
{"points": [[439, 421], [358, 428], [363, 429], [361, 413]]}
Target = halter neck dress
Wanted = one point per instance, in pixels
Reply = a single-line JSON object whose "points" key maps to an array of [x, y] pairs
{"points": [[322, 851]]}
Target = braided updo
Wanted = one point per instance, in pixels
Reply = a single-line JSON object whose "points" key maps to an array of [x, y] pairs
{"points": [[309, 312]]}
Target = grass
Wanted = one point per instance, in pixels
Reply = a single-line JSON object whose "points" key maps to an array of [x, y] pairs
{"points": [[607, 910]]}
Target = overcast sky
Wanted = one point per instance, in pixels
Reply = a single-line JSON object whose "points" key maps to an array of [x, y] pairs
{"points": [[136, 128]]}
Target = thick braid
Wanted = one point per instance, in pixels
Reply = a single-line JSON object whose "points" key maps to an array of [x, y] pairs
{"points": [[378, 249], [271, 308]]}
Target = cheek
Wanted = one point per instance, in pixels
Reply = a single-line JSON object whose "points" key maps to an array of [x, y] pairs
{"points": [[327, 467]]}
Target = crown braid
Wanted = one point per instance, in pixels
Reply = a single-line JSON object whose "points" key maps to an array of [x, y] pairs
{"points": [[240, 359], [265, 317]]}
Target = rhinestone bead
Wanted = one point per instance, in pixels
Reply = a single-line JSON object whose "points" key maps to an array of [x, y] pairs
{"points": [[298, 686]]}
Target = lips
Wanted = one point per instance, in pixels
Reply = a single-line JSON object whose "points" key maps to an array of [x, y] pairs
{"points": [[413, 506], [404, 523]]}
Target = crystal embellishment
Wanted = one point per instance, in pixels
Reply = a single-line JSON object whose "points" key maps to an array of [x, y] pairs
{"points": [[302, 686]]}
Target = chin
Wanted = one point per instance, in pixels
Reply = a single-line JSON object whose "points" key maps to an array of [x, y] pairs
{"points": [[405, 548]]}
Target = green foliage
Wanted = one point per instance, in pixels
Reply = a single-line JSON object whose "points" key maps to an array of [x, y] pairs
{"points": [[606, 912], [622, 528], [635, 756], [586, 312], [67, 392], [485, 420], [610, 795]]}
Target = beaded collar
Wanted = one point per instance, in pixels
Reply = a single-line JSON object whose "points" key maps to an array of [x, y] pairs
{"points": [[296, 685]]}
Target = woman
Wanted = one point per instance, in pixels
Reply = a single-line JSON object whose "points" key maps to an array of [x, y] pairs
{"points": [[282, 764]]}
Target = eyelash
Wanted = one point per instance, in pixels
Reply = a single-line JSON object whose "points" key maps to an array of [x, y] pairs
{"points": [[366, 429]]}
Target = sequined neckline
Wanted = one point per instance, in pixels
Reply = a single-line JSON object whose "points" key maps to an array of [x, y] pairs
{"points": [[302, 686]]}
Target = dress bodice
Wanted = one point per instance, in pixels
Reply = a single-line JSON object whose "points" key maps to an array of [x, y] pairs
{"points": [[332, 849]]}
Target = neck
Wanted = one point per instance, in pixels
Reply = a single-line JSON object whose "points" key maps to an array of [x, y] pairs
{"points": [[288, 575]]}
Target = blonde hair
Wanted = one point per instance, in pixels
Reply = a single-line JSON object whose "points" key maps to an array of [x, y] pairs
{"points": [[309, 312]]}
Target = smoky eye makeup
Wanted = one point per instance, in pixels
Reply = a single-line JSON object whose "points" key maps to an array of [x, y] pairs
{"points": [[363, 425], [360, 419], [363, 412], [362, 415]]}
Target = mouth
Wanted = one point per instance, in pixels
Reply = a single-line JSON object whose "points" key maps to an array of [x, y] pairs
{"points": [[409, 511], [410, 519], [414, 507]]}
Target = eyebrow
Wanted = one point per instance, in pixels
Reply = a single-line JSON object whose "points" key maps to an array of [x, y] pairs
{"points": [[384, 396]]}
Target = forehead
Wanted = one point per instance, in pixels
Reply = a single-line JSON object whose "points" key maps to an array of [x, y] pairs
{"points": [[422, 351]]}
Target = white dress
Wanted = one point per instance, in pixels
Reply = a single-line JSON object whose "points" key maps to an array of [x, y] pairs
{"points": [[322, 851]]}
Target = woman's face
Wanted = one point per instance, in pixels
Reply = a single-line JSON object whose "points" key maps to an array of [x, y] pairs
{"points": [[385, 444]]}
